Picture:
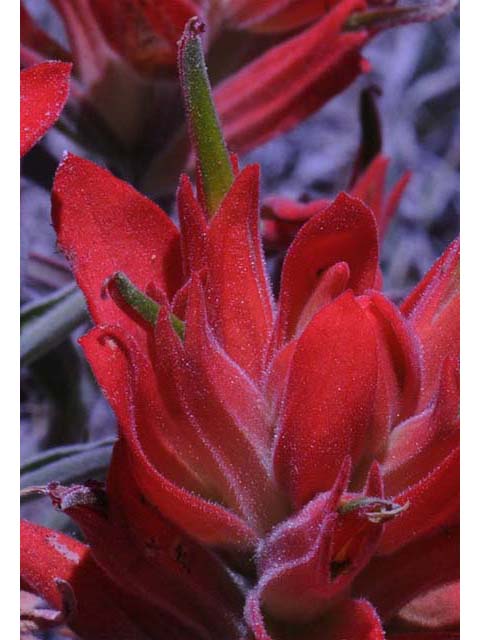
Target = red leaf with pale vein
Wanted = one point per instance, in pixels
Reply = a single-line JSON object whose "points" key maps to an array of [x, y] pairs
{"points": [[434, 502], [114, 360], [308, 561], [398, 383], [231, 414], [290, 81], [390, 582], [43, 94], [343, 232], [433, 310], [103, 226], [238, 293], [420, 444], [329, 400]]}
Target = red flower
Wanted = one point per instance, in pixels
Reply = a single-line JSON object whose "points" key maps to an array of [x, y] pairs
{"points": [[310, 446], [43, 93]]}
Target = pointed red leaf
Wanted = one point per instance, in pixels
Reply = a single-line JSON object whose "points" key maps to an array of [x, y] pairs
{"points": [[434, 501], [238, 293], [231, 414], [193, 227], [103, 225], [398, 384], [420, 444], [43, 94], [308, 561], [344, 232], [433, 310], [329, 401], [161, 471]]}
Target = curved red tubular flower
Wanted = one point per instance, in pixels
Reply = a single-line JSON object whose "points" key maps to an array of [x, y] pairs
{"points": [[43, 94], [282, 470]]}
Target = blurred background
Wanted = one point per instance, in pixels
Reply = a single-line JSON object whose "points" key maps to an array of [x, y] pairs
{"points": [[66, 426]]}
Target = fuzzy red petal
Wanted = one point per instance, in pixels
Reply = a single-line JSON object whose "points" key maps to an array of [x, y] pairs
{"points": [[150, 559], [290, 81], [193, 227], [434, 501], [43, 94], [329, 401], [418, 445], [156, 463], [238, 293], [343, 232], [433, 309], [103, 225], [398, 384], [49, 558], [307, 562]]}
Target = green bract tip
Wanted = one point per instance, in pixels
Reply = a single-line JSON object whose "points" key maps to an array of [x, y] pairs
{"points": [[205, 131], [144, 305]]}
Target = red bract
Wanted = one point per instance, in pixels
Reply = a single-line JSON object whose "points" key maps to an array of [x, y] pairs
{"points": [[43, 93], [296, 460]]}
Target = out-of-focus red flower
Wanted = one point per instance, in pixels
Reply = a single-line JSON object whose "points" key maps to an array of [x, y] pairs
{"points": [[283, 217], [43, 93], [272, 64], [299, 459]]}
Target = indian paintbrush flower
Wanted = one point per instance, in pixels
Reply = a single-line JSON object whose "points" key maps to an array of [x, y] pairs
{"points": [[284, 468]]}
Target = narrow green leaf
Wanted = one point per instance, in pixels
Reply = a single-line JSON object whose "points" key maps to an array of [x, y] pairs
{"points": [[141, 303], [204, 125], [45, 331]]}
